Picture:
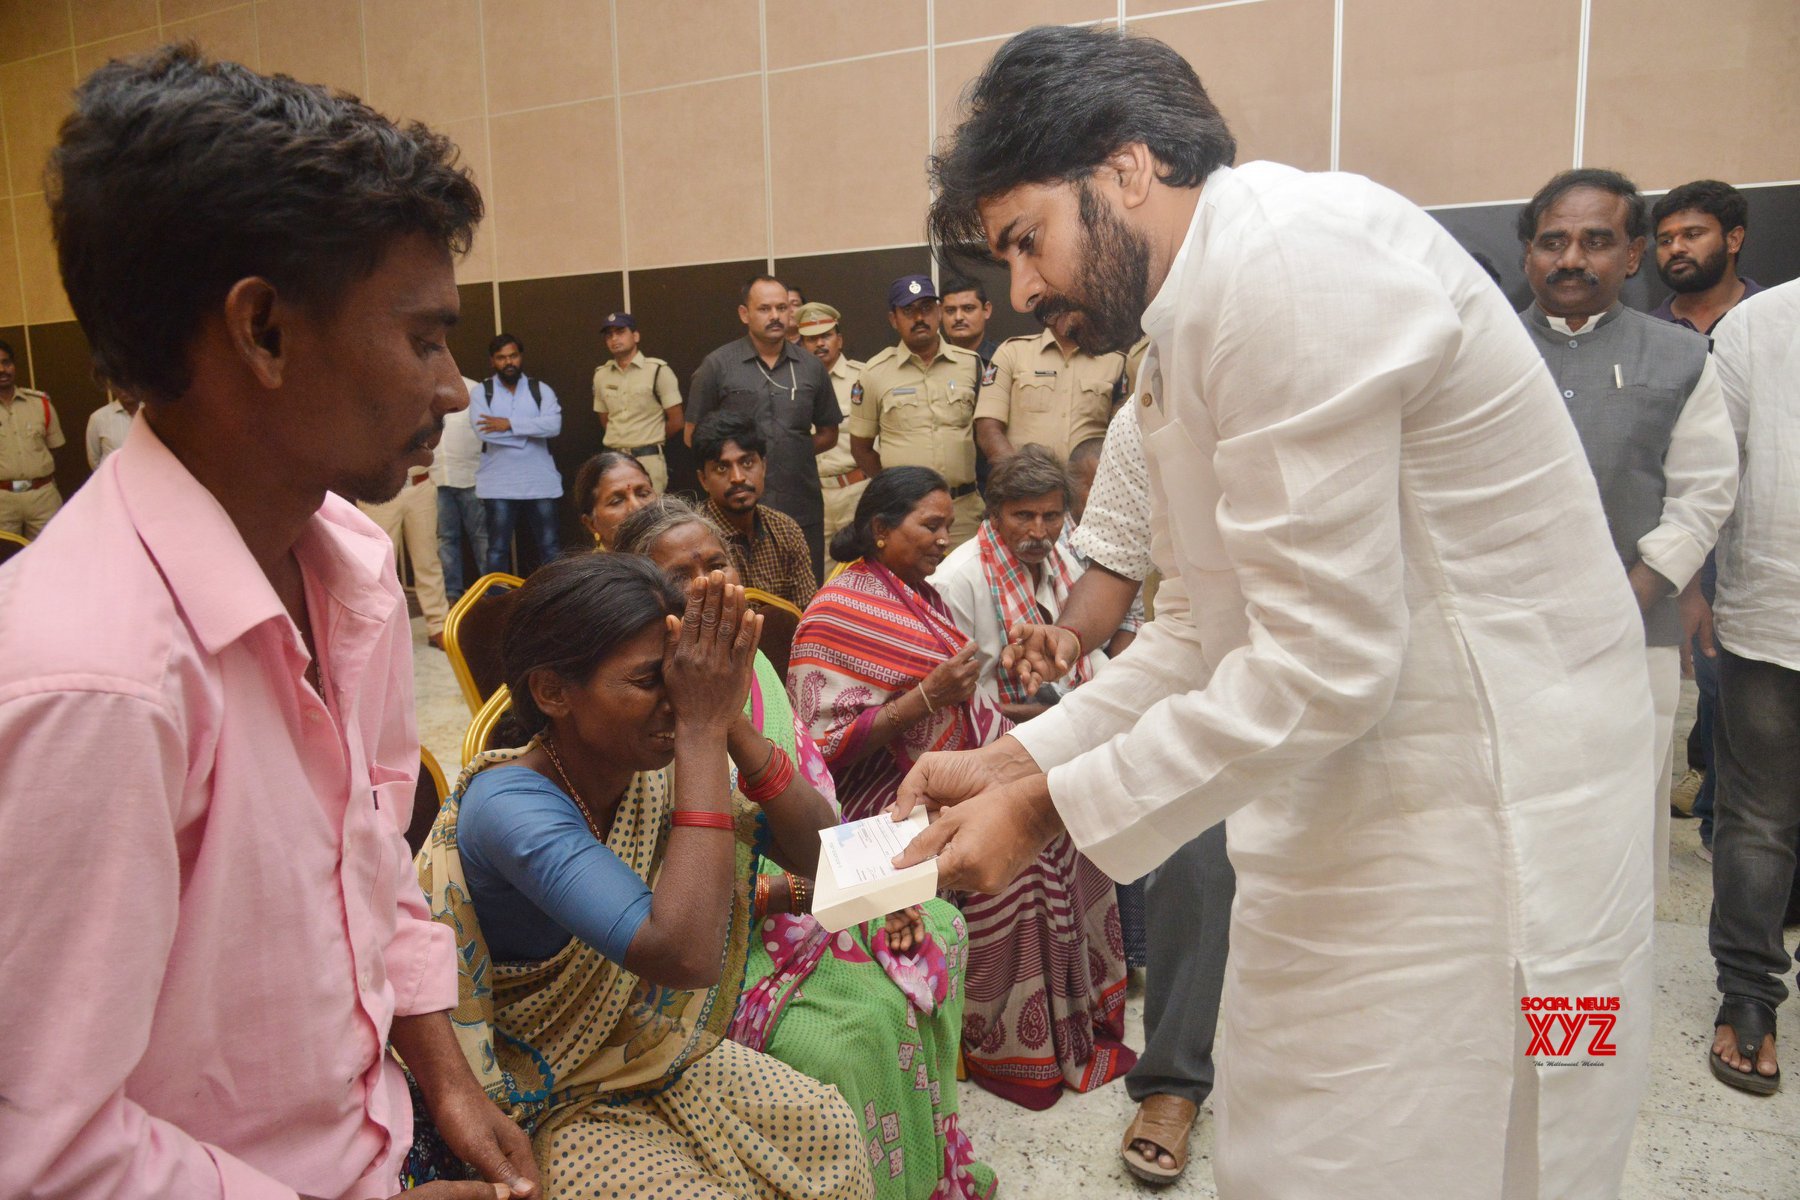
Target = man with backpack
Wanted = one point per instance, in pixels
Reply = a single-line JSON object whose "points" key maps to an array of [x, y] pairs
{"points": [[516, 416]]}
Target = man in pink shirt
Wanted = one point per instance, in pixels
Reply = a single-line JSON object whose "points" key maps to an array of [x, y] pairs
{"points": [[212, 931]]}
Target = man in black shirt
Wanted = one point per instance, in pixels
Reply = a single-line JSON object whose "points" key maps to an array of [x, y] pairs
{"points": [[789, 394]]}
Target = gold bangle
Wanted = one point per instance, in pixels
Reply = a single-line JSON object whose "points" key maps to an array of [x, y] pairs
{"points": [[926, 696]]}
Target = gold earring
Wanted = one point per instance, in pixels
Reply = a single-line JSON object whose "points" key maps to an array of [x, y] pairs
{"points": [[881, 543]]}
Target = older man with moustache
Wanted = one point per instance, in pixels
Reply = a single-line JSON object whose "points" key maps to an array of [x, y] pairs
{"points": [[1392, 648], [1645, 399]]}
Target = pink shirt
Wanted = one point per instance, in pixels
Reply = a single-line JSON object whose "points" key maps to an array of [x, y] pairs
{"points": [[210, 915]]}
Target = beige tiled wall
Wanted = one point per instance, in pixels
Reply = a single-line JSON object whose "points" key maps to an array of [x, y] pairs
{"points": [[612, 135]]}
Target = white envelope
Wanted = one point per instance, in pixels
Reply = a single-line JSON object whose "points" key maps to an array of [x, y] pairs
{"points": [[857, 881]]}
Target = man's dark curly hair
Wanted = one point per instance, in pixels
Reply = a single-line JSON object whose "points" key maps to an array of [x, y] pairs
{"points": [[1053, 105], [176, 177]]}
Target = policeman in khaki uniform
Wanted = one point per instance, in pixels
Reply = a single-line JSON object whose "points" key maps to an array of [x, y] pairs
{"points": [[29, 430], [638, 399], [840, 480], [919, 396], [1043, 389]]}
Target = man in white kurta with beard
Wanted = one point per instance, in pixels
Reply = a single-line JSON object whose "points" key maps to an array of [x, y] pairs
{"points": [[1393, 647]]}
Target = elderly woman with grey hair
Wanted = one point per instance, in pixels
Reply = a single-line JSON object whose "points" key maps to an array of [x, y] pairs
{"points": [[876, 1010]]}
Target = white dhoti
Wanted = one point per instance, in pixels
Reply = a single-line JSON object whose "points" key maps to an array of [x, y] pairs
{"points": [[1395, 648]]}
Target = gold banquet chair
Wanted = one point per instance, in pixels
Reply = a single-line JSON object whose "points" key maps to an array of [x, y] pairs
{"points": [[481, 729], [472, 633], [11, 544], [428, 796], [780, 619]]}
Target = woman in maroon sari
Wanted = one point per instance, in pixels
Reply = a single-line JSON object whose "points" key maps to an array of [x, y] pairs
{"points": [[880, 675]]}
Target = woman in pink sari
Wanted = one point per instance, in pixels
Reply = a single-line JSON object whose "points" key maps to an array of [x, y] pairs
{"points": [[879, 676]]}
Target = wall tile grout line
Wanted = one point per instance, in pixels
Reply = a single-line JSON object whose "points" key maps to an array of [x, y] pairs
{"points": [[854, 58], [931, 106], [618, 103], [487, 138], [669, 87], [1581, 80], [768, 155], [1337, 83]]}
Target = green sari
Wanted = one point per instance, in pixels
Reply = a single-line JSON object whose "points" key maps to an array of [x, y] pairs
{"points": [[884, 1028]]}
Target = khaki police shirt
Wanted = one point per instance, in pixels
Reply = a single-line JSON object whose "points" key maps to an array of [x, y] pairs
{"points": [[925, 416], [1045, 396], [634, 400], [837, 460], [26, 438]]}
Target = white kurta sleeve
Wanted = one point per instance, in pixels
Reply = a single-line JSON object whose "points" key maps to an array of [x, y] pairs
{"points": [[1328, 335], [1700, 480]]}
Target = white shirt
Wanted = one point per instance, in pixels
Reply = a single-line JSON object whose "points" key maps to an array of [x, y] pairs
{"points": [[458, 453], [1757, 609], [106, 431], [1394, 647], [960, 581], [1700, 476]]}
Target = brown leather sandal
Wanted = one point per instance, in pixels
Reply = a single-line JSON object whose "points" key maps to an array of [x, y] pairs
{"points": [[1164, 1121]]}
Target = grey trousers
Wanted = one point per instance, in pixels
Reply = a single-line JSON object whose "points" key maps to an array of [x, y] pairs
{"points": [[1187, 914], [1756, 816]]}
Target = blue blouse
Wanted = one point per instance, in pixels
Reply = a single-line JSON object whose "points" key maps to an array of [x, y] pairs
{"points": [[536, 873]]}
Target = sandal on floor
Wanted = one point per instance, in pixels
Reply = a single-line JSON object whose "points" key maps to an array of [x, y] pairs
{"points": [[1752, 1021], [1165, 1121]]}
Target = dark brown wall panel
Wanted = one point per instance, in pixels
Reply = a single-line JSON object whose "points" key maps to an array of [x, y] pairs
{"points": [[1005, 322], [1771, 250], [856, 284], [559, 322], [469, 337], [684, 314], [62, 366]]}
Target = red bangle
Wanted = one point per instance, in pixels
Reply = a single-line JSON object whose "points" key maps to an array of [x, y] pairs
{"points": [[704, 820], [774, 780]]}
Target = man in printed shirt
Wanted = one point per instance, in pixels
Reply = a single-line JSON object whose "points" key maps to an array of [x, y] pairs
{"points": [[216, 932], [767, 545]]}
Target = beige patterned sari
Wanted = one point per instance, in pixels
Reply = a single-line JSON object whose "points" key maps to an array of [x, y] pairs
{"points": [[627, 1087]]}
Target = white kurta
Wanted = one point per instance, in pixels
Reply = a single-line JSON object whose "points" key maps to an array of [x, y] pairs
{"points": [[1395, 647]]}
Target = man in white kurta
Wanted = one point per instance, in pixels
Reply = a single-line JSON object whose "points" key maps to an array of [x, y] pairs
{"points": [[1394, 648]]}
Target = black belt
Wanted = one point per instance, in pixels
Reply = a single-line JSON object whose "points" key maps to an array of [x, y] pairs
{"points": [[644, 451], [957, 493]]}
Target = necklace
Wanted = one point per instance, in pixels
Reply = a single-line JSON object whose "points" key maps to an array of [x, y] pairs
{"points": [[793, 384], [556, 761]]}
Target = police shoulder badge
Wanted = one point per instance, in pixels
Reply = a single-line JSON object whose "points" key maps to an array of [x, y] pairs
{"points": [[988, 375], [856, 392]]}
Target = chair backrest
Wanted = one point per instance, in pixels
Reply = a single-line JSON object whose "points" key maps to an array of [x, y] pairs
{"points": [[780, 619], [482, 727], [429, 795], [11, 544], [472, 633]]}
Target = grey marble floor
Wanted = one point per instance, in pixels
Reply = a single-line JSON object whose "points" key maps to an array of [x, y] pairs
{"points": [[1696, 1139]]}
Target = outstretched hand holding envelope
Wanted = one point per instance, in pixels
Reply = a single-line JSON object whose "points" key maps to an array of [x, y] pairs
{"points": [[992, 815]]}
